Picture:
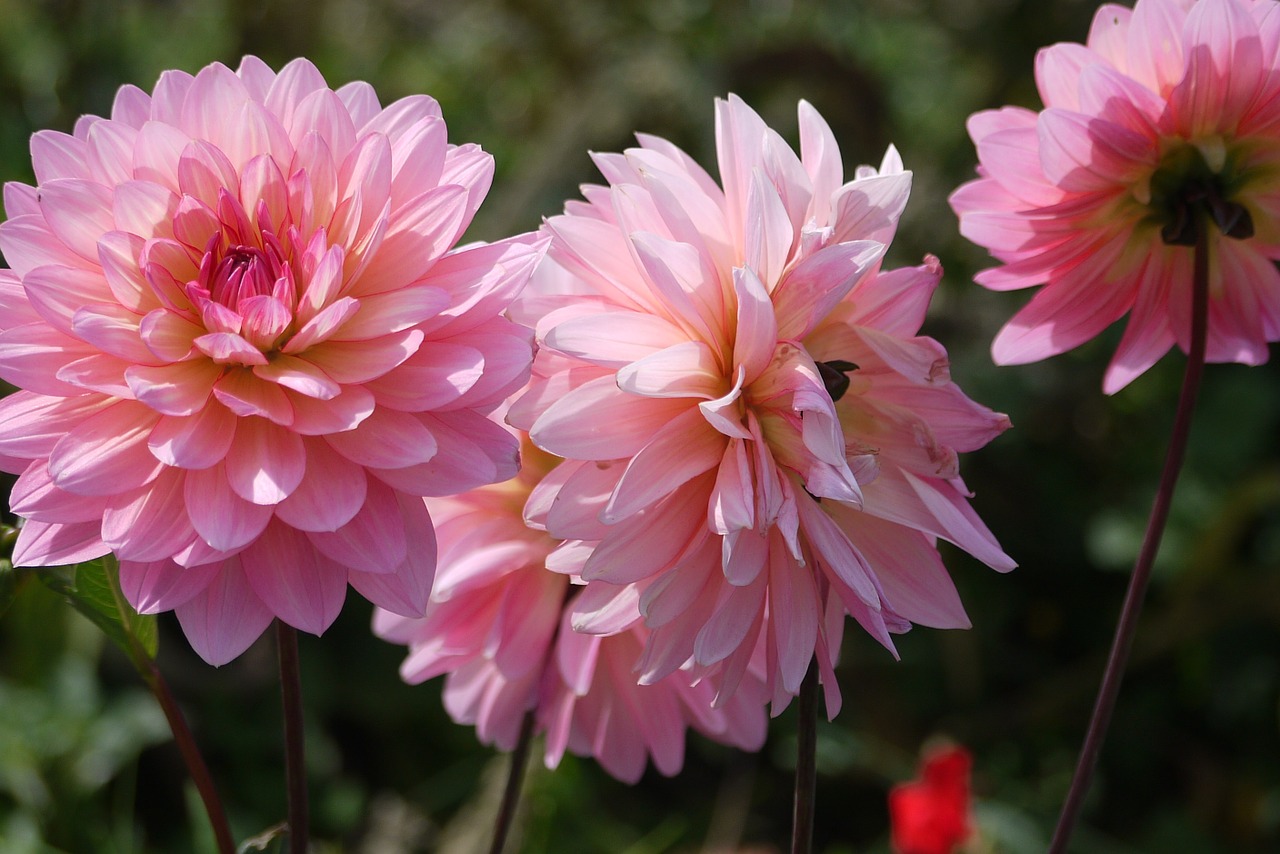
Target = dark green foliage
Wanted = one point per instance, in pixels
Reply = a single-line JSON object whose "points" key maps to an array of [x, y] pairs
{"points": [[1193, 761]]}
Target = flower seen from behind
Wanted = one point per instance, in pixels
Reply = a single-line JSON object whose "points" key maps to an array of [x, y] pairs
{"points": [[246, 346], [1166, 121], [757, 442], [498, 625]]}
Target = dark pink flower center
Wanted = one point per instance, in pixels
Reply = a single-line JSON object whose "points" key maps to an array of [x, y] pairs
{"points": [[243, 272]]}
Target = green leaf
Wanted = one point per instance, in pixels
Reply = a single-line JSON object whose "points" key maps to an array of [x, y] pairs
{"points": [[8, 584], [93, 589]]}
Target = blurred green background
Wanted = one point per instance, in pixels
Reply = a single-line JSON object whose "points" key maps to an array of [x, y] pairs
{"points": [[1193, 759]]}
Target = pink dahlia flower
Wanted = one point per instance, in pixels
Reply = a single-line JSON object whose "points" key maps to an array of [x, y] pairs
{"points": [[758, 444], [499, 627], [246, 346], [1168, 109]]}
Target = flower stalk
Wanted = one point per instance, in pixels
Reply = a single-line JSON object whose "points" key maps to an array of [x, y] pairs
{"points": [[191, 756], [515, 781], [1138, 581], [295, 758], [806, 763]]}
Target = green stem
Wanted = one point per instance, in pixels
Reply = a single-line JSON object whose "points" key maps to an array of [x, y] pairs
{"points": [[295, 759], [1109, 690], [806, 763]]}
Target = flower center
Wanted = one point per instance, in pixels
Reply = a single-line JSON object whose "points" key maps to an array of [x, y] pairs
{"points": [[1187, 192], [243, 272]]}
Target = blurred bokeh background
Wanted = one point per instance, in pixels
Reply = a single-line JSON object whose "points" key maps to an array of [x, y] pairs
{"points": [[1193, 759]]}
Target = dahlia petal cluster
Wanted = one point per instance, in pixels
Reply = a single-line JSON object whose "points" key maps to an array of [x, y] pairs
{"points": [[757, 441], [247, 347], [498, 625], [1167, 107]]}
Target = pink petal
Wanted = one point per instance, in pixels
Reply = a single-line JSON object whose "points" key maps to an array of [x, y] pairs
{"points": [[354, 362], [687, 369], [374, 540], [246, 395], [818, 283], [31, 356], [169, 335], [107, 452], [323, 325], [228, 348], [55, 544], [31, 424], [194, 442], [406, 590], [471, 451], [631, 553], [597, 421], [736, 620], [182, 388], [162, 585], [265, 463], [437, 375], [614, 339], [315, 416], [223, 619], [78, 213], [914, 582], [299, 585], [793, 615], [222, 518], [57, 155], [149, 523], [386, 439], [331, 492], [683, 449], [757, 331], [298, 375], [394, 311], [34, 496], [421, 232], [57, 292]]}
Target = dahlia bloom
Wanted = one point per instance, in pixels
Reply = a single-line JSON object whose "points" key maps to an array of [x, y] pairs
{"points": [[1167, 119], [930, 815], [498, 626], [757, 443], [246, 346]]}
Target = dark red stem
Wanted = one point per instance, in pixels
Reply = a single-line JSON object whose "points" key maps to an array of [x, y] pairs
{"points": [[806, 763], [191, 756], [294, 757], [515, 780], [1127, 625]]}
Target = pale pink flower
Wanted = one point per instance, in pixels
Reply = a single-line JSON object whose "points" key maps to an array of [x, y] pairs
{"points": [[755, 438], [1087, 196], [498, 626], [247, 346]]}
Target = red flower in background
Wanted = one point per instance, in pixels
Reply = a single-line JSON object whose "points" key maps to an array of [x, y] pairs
{"points": [[931, 815]]}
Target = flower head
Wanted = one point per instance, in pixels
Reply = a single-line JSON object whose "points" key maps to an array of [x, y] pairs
{"points": [[757, 443], [1165, 123], [930, 815], [498, 625], [246, 346]]}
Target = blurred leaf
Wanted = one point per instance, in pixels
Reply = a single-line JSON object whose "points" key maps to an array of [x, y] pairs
{"points": [[8, 584], [93, 589]]}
